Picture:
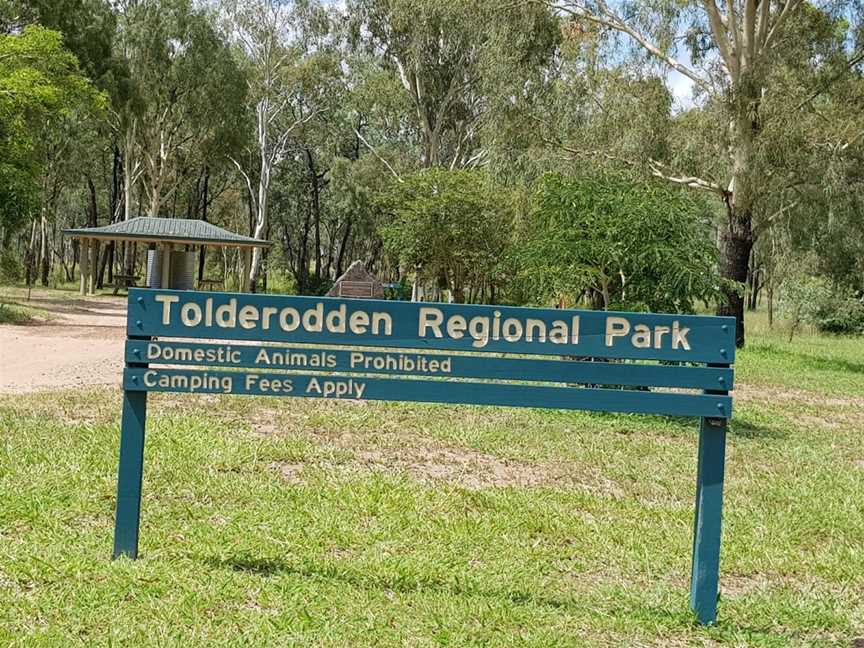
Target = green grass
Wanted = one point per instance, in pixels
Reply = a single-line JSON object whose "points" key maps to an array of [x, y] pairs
{"points": [[19, 313], [292, 522]]}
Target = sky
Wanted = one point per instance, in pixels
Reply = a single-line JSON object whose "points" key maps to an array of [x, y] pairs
{"points": [[682, 91]]}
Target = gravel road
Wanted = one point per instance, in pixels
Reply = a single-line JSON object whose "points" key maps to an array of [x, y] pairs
{"points": [[81, 345]]}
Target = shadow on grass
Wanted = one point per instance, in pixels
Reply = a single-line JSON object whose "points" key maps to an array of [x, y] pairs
{"points": [[628, 606], [403, 584], [747, 429]]}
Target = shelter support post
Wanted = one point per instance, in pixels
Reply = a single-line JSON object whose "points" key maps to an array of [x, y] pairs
{"points": [[84, 263], [94, 265], [246, 268], [129, 474], [166, 266], [704, 579]]}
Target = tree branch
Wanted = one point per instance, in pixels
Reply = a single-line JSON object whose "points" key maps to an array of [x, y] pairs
{"points": [[609, 18], [657, 170], [248, 183], [721, 37], [768, 222], [853, 61], [787, 10], [377, 155]]}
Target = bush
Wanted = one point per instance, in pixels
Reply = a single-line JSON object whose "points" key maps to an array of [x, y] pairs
{"points": [[617, 244], [11, 271], [840, 312], [812, 300]]}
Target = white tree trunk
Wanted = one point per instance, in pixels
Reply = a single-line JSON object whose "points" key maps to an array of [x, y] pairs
{"points": [[263, 202], [130, 176]]}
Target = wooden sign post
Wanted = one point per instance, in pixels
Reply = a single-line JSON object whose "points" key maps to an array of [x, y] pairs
{"points": [[436, 353]]}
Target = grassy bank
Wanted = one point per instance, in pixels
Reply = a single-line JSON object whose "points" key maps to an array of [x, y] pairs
{"points": [[15, 310], [291, 522]]}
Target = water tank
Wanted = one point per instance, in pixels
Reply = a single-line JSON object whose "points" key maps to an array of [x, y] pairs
{"points": [[183, 267], [154, 268]]}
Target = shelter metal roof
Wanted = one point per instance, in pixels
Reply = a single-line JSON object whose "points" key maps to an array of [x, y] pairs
{"points": [[168, 230]]}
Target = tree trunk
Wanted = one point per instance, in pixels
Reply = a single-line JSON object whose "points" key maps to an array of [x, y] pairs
{"points": [[770, 290], [738, 239], [205, 199], [315, 186], [155, 200], [755, 282], [128, 186], [30, 257], [340, 259], [301, 274], [737, 244], [44, 253], [261, 217]]}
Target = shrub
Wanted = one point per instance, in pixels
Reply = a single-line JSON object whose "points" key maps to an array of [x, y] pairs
{"points": [[812, 300], [11, 271], [840, 312], [618, 244]]}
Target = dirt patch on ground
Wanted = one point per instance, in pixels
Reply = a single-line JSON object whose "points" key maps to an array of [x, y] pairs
{"points": [[463, 467], [473, 470], [290, 471], [831, 412], [764, 393], [81, 345]]}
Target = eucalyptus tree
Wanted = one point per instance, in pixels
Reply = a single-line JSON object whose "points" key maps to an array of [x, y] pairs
{"points": [[463, 64], [88, 28], [276, 39], [185, 82], [43, 97], [324, 209], [757, 67], [453, 226]]}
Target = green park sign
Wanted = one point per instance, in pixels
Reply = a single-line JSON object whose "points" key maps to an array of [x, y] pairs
{"points": [[320, 347]]}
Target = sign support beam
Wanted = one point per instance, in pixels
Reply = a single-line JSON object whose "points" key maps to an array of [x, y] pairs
{"points": [[705, 574], [129, 474], [130, 471]]}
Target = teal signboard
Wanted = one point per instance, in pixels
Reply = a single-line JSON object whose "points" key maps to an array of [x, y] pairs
{"points": [[221, 343]]}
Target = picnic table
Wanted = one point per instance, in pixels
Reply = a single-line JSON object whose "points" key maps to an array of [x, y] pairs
{"points": [[124, 281]]}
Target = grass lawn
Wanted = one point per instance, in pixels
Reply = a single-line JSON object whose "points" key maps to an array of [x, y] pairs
{"points": [[14, 308], [307, 522]]}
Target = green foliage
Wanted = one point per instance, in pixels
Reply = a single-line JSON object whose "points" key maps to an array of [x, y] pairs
{"points": [[831, 309], [41, 88], [401, 290], [281, 282], [14, 314], [187, 85], [617, 243], [841, 312], [451, 226], [800, 298], [466, 76], [11, 271], [88, 28]]}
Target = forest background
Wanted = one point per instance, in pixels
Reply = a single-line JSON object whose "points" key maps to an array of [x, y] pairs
{"points": [[625, 155]]}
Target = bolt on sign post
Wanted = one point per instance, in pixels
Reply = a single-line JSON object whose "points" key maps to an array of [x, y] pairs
{"points": [[319, 347]]}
